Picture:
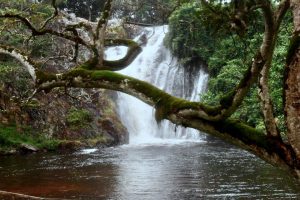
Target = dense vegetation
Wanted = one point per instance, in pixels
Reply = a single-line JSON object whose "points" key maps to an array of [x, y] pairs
{"points": [[227, 55], [64, 116], [11, 139]]}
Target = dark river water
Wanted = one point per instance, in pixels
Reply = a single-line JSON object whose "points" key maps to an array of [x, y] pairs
{"points": [[190, 170]]}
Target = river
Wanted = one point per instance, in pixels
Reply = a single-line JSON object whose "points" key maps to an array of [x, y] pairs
{"points": [[207, 169]]}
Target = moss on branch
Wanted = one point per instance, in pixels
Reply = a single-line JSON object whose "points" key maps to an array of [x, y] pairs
{"points": [[133, 50], [257, 142], [114, 65], [164, 103], [245, 133], [79, 77], [168, 106]]}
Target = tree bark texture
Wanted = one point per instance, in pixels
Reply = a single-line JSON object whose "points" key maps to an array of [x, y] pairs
{"points": [[292, 84]]}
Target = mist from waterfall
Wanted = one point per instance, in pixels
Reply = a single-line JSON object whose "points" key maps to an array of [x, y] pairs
{"points": [[156, 65]]}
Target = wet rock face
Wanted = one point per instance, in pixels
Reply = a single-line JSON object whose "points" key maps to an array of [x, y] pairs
{"points": [[116, 130], [81, 114]]}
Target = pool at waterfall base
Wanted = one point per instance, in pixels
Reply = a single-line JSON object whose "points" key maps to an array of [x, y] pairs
{"points": [[177, 169]]}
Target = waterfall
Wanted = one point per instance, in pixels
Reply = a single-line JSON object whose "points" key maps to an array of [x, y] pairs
{"points": [[157, 66]]}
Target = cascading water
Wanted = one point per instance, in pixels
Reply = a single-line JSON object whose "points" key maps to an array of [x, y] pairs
{"points": [[156, 65]]}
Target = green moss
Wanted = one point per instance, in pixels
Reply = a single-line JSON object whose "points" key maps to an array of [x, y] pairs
{"points": [[133, 50], [210, 110], [31, 104], [120, 42], [10, 138], [116, 65], [99, 139], [167, 104], [78, 72], [44, 76], [164, 103], [107, 75], [90, 64], [245, 133], [78, 118]]}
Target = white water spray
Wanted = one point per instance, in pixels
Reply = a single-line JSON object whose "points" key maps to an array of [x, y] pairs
{"points": [[157, 66]]}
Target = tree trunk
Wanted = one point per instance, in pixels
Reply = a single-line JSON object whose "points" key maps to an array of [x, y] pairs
{"points": [[292, 84]]}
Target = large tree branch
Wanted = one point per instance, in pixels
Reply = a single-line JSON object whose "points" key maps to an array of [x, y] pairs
{"points": [[281, 11], [103, 19], [272, 24], [55, 14], [100, 32], [238, 133], [22, 58], [114, 65], [168, 107], [266, 103], [39, 32], [132, 52]]}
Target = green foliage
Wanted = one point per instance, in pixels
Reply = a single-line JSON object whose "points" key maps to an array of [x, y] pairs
{"points": [[15, 77], [78, 118], [89, 9], [34, 10], [41, 47], [197, 32], [249, 111], [16, 34], [98, 139], [229, 62], [10, 138], [188, 38], [145, 11], [232, 48], [228, 76]]}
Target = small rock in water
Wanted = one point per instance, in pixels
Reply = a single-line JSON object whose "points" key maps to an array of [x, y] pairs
{"points": [[143, 39], [26, 148]]}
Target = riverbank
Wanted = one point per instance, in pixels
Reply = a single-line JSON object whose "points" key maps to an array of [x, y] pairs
{"points": [[14, 141]]}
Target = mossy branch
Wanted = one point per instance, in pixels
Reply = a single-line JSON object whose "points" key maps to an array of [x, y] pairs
{"points": [[40, 32], [178, 111], [246, 137], [55, 14], [104, 18], [26, 61], [133, 51]]}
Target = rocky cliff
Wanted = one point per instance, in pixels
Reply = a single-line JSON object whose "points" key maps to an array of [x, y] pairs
{"points": [[87, 115]]}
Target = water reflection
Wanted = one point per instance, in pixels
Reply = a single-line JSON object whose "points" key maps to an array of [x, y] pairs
{"points": [[143, 177], [211, 170], [62, 176]]}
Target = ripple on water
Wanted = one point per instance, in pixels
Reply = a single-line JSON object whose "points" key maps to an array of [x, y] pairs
{"points": [[204, 170]]}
